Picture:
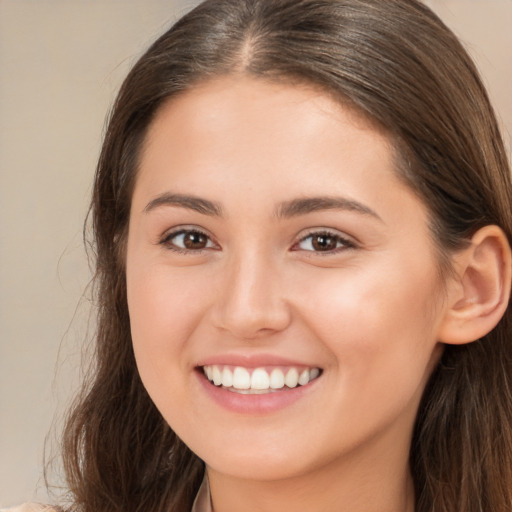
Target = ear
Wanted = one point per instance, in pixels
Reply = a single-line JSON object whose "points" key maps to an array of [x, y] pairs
{"points": [[478, 295]]}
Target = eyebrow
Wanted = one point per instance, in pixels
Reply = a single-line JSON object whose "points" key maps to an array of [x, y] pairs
{"points": [[307, 205], [287, 209], [203, 206]]}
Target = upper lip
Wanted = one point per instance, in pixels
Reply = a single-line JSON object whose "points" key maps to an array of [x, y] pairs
{"points": [[253, 361]]}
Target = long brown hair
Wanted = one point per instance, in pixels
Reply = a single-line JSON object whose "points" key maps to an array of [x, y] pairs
{"points": [[395, 62]]}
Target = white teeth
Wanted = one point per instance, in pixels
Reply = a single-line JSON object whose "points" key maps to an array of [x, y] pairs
{"points": [[292, 378], [227, 378], [243, 381], [217, 376], [241, 378], [260, 379], [304, 378], [276, 379]]}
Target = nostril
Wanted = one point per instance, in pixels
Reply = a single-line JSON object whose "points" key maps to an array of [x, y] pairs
{"points": [[250, 324]]}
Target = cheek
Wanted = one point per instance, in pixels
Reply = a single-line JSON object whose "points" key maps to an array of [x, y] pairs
{"points": [[165, 308], [370, 298], [164, 312], [379, 324]]}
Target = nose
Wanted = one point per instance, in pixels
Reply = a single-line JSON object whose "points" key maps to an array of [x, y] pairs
{"points": [[251, 303]]}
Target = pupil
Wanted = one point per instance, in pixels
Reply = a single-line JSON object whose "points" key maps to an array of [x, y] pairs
{"points": [[324, 243], [195, 240]]}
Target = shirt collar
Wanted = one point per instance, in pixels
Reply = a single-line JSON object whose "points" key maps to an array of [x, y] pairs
{"points": [[203, 502]]}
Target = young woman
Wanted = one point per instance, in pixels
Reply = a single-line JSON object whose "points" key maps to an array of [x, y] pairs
{"points": [[302, 218]]}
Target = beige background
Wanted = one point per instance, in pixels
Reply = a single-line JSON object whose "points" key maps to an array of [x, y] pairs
{"points": [[61, 62]]}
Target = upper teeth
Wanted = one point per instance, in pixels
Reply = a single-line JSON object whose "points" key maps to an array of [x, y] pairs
{"points": [[259, 379]]}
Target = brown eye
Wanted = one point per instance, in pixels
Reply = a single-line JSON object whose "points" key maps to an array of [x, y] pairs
{"points": [[188, 240], [324, 242], [195, 240]]}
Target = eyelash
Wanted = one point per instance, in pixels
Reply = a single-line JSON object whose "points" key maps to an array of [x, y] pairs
{"points": [[344, 243], [167, 241]]}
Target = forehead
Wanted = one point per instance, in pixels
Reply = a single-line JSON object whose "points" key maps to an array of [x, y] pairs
{"points": [[255, 127], [214, 99]]}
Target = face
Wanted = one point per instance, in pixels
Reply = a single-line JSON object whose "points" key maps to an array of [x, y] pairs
{"points": [[283, 288]]}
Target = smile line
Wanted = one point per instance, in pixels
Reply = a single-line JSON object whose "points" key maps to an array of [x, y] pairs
{"points": [[259, 381]]}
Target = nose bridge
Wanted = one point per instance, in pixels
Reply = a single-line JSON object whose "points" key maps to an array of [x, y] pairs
{"points": [[251, 302]]}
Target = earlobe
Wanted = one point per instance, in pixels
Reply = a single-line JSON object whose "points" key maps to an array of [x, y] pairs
{"points": [[478, 296]]}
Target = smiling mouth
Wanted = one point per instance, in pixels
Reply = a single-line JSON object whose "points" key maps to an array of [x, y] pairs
{"points": [[258, 380]]}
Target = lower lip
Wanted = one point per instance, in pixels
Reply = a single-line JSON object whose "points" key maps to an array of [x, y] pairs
{"points": [[253, 404]]}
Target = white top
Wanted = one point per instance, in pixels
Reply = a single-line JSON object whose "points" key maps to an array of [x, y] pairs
{"points": [[203, 502]]}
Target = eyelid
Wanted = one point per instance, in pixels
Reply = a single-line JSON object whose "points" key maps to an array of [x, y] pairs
{"points": [[165, 239], [347, 242]]}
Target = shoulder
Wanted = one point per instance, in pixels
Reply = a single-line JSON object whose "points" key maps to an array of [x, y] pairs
{"points": [[29, 507]]}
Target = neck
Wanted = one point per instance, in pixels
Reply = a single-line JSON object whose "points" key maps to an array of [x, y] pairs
{"points": [[356, 484]]}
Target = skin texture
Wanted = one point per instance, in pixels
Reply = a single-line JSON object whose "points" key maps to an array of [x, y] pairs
{"points": [[368, 313]]}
